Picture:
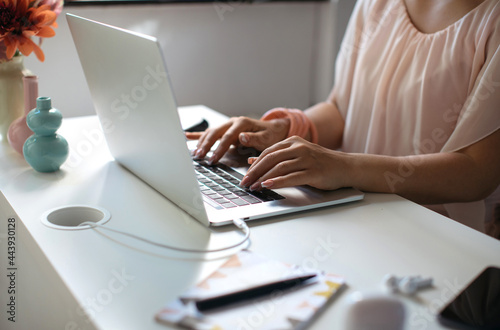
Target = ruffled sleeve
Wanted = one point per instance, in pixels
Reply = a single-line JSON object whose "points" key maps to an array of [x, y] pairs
{"points": [[480, 115], [347, 57]]}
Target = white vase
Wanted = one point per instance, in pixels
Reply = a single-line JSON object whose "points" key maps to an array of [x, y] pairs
{"points": [[11, 93]]}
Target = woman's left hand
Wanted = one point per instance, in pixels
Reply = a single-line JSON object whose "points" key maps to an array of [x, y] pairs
{"points": [[295, 162]]}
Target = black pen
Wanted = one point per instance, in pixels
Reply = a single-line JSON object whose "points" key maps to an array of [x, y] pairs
{"points": [[252, 292]]}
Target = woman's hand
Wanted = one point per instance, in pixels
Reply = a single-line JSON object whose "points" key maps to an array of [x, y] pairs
{"points": [[294, 162], [239, 130]]}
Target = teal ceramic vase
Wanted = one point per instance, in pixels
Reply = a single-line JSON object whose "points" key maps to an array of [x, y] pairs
{"points": [[45, 150]]}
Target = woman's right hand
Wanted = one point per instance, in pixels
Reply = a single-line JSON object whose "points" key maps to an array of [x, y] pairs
{"points": [[248, 132]]}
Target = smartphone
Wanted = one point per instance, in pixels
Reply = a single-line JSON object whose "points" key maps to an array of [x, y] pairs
{"points": [[200, 127], [477, 306]]}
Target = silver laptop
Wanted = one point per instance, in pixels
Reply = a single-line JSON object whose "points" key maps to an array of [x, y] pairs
{"points": [[135, 103]]}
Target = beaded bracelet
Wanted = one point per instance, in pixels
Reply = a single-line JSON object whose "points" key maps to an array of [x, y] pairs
{"points": [[300, 124]]}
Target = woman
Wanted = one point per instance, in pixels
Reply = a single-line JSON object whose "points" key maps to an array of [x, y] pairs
{"points": [[415, 111]]}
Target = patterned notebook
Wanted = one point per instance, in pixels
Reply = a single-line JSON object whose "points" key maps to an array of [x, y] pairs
{"points": [[290, 309]]}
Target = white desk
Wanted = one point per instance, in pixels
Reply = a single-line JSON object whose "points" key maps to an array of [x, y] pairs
{"points": [[86, 279]]}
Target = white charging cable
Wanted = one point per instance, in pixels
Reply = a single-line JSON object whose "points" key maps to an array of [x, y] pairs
{"points": [[237, 222]]}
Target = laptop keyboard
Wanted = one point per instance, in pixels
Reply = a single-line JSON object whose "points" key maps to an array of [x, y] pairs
{"points": [[219, 185]]}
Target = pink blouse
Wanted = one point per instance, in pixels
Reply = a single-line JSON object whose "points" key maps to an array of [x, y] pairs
{"points": [[404, 92]]}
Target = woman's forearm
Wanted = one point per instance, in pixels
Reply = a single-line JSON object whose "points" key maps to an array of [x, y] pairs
{"points": [[329, 124], [424, 179], [469, 175]]}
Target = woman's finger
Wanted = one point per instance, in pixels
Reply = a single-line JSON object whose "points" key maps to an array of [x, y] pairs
{"points": [[193, 135], [290, 180], [258, 140], [271, 132], [229, 138], [208, 139], [240, 127], [294, 140], [265, 163], [282, 169]]}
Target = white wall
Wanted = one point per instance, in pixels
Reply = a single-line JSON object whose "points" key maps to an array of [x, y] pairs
{"points": [[239, 59]]}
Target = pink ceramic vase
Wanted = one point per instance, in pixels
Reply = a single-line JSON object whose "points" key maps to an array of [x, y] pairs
{"points": [[19, 131]]}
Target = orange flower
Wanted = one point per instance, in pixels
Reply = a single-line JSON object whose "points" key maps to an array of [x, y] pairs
{"points": [[22, 19]]}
